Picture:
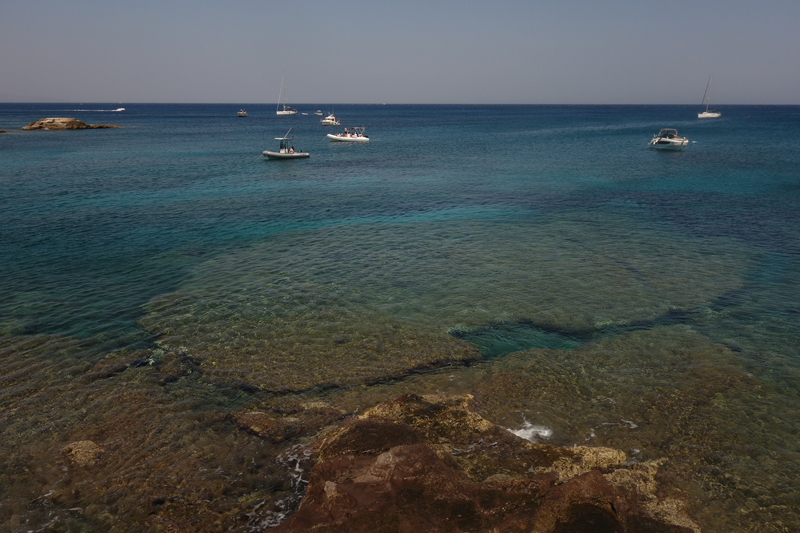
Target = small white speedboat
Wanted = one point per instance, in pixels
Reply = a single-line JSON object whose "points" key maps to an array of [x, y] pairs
{"points": [[355, 135], [330, 120], [241, 113], [285, 149], [318, 112], [668, 139]]}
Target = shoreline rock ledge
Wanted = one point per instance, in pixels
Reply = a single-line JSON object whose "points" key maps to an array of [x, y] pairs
{"points": [[429, 463], [63, 124]]}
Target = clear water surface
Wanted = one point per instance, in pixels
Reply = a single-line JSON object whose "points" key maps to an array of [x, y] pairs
{"points": [[541, 258]]}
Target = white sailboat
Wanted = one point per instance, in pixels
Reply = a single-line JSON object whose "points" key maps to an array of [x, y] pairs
{"points": [[284, 109], [708, 113]]}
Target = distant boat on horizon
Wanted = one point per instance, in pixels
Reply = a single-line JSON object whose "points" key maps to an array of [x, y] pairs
{"points": [[708, 113], [330, 120], [282, 102]]}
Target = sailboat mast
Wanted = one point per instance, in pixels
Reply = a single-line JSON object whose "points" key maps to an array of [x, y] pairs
{"points": [[280, 96], [708, 85]]}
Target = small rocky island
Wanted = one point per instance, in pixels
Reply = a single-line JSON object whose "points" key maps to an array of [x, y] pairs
{"points": [[63, 124]]}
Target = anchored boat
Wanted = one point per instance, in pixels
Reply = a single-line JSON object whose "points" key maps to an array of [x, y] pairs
{"points": [[354, 135], [668, 139], [708, 113], [286, 150], [282, 102], [330, 120]]}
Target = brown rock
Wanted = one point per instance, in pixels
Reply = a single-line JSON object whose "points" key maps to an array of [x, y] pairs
{"points": [[402, 473], [82, 453]]}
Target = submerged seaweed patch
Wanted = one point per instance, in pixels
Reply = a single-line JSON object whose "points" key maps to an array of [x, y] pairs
{"points": [[496, 340]]}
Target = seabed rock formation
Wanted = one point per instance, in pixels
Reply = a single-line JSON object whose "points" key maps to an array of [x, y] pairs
{"points": [[428, 463], [63, 124]]}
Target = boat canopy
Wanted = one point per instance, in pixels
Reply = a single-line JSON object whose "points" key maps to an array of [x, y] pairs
{"points": [[285, 137]]}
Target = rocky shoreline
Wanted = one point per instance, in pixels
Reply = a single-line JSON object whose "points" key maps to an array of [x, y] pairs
{"points": [[429, 463], [64, 124], [431, 452]]}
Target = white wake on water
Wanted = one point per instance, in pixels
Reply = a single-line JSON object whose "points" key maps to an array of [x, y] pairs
{"points": [[100, 110], [530, 432]]}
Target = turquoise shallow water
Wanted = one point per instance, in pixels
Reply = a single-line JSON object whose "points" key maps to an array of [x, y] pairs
{"points": [[539, 241]]}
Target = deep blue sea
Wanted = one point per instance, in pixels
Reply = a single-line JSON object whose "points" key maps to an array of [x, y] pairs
{"points": [[643, 300]]}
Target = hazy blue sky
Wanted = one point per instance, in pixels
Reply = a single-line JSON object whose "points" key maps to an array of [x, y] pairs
{"points": [[408, 51]]}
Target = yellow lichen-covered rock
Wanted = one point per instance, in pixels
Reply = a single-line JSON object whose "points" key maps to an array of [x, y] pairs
{"points": [[641, 479], [83, 453], [410, 465], [585, 458]]}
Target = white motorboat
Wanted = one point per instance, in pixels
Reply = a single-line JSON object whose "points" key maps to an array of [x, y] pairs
{"points": [[330, 120], [284, 109], [708, 113], [356, 135], [668, 139], [286, 150], [318, 112], [241, 113]]}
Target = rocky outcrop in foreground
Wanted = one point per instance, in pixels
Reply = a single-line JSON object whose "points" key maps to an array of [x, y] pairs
{"points": [[430, 464], [63, 124]]}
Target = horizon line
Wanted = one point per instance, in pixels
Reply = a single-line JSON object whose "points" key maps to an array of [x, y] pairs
{"points": [[87, 102]]}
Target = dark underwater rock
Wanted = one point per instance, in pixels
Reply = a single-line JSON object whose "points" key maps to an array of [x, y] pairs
{"points": [[409, 465], [277, 428]]}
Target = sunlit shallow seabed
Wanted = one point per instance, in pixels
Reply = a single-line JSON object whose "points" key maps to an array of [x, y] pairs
{"points": [[347, 304], [581, 319]]}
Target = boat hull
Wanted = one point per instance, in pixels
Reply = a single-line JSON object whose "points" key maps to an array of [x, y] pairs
{"points": [[666, 145], [342, 138], [707, 114], [285, 113], [284, 155]]}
